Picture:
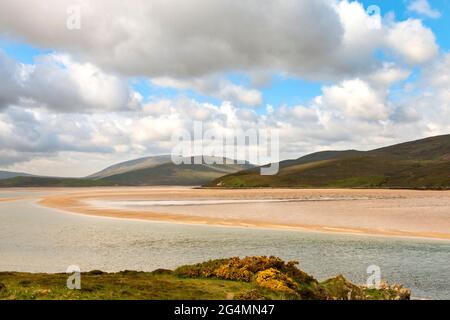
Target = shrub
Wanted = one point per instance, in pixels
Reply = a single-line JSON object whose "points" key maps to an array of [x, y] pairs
{"points": [[244, 269], [200, 270], [275, 280], [230, 272]]}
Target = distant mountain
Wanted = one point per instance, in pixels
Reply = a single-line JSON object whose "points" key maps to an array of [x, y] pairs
{"points": [[162, 171], [150, 171], [142, 163], [418, 164], [433, 148], [421, 164], [9, 175], [50, 182]]}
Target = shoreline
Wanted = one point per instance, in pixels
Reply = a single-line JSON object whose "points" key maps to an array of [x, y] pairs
{"points": [[75, 203]]}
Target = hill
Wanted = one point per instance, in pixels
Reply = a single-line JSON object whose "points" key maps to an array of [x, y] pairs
{"points": [[50, 182], [9, 175], [137, 164], [151, 171], [421, 164], [168, 173]]}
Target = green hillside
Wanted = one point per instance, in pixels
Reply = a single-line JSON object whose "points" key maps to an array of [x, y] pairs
{"points": [[127, 166], [30, 182], [150, 171], [422, 164], [9, 174], [171, 174]]}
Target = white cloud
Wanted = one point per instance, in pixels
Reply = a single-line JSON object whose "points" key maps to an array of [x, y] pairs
{"points": [[424, 8], [415, 43], [430, 97], [388, 75], [192, 39], [216, 87], [59, 83], [183, 38], [9, 79], [354, 99], [354, 113], [77, 110]]}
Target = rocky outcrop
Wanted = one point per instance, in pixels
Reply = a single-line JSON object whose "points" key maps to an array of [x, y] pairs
{"points": [[272, 273]]}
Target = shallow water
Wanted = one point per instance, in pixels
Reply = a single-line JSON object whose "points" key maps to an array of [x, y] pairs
{"points": [[13, 194], [149, 204], [36, 239], [145, 204]]}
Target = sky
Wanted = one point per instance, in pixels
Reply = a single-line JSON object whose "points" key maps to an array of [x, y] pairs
{"points": [[86, 84]]}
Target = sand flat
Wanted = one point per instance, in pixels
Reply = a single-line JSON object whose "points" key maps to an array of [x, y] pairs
{"points": [[403, 213]]}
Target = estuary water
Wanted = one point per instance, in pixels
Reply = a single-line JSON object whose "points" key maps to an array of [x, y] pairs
{"points": [[151, 204], [37, 239]]}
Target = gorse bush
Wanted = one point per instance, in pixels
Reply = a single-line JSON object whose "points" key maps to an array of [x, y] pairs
{"points": [[201, 270], [230, 272], [273, 274], [245, 269], [275, 280]]}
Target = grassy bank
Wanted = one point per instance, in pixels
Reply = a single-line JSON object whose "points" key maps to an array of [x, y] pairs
{"points": [[122, 286], [251, 278]]}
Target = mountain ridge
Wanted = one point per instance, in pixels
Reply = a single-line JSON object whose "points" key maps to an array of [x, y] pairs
{"points": [[147, 171], [11, 174], [418, 164], [168, 173]]}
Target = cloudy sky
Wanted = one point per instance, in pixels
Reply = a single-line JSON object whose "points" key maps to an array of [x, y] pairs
{"points": [[329, 74]]}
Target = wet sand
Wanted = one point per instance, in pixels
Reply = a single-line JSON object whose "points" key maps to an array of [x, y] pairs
{"points": [[399, 213], [9, 199]]}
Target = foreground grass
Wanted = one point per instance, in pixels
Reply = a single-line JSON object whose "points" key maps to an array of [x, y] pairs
{"points": [[123, 286], [250, 278]]}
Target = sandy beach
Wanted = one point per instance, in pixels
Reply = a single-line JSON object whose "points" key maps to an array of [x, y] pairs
{"points": [[9, 199], [399, 213]]}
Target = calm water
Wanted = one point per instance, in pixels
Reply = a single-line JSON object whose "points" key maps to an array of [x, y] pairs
{"points": [[36, 239], [150, 204]]}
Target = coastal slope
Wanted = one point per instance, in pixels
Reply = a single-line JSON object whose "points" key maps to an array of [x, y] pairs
{"points": [[421, 164], [250, 278]]}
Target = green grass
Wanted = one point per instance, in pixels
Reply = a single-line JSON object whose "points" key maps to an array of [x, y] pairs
{"points": [[18, 182], [359, 182], [361, 172], [250, 278], [422, 164], [123, 286]]}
